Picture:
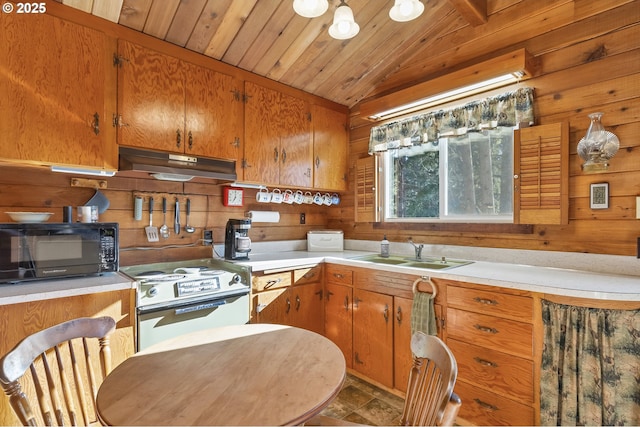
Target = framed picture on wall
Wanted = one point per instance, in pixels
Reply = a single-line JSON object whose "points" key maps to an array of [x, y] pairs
{"points": [[600, 195]]}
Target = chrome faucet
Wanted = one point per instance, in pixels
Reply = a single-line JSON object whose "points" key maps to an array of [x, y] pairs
{"points": [[417, 248]]}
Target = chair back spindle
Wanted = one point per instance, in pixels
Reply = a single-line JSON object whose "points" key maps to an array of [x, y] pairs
{"points": [[62, 385]]}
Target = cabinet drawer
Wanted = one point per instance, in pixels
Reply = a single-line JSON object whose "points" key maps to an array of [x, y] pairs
{"points": [[481, 407], [493, 370], [489, 302], [271, 281], [307, 275], [339, 275], [500, 334]]}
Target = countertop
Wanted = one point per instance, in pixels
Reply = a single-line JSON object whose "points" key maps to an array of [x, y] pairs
{"points": [[59, 288], [557, 281]]}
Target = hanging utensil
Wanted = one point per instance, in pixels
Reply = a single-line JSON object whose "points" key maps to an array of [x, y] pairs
{"points": [[187, 227], [152, 232], [176, 221], [164, 230]]}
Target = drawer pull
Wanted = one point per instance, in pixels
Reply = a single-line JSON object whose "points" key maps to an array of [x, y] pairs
{"points": [[338, 275], [309, 275], [288, 309], [485, 405], [385, 314], [485, 362], [271, 283], [486, 329], [297, 303], [399, 315], [485, 301]]}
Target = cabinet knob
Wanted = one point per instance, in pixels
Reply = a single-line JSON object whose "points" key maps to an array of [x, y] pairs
{"points": [[178, 138], [297, 303], [190, 140], [288, 306], [385, 313], [399, 315]]}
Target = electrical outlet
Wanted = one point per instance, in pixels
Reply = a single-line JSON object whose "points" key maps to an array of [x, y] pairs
{"points": [[303, 218], [207, 237]]}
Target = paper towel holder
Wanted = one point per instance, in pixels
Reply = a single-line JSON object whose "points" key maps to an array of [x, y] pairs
{"points": [[263, 216]]}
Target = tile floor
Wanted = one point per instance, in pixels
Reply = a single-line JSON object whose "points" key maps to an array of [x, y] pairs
{"points": [[363, 403]]}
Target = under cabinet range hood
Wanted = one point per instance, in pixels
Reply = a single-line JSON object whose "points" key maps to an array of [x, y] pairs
{"points": [[175, 167]]}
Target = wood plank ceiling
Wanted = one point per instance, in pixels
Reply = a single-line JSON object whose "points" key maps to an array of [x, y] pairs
{"points": [[268, 38]]}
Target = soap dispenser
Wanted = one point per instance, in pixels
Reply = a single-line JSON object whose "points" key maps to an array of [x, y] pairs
{"points": [[384, 247]]}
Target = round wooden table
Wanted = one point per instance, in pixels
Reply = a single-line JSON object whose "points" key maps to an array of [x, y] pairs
{"points": [[256, 374]]}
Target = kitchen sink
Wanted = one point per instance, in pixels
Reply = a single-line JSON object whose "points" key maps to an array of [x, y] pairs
{"points": [[383, 260], [427, 263]]}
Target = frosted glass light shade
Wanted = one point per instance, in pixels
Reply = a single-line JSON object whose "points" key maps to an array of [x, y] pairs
{"points": [[310, 8], [344, 26], [406, 10]]}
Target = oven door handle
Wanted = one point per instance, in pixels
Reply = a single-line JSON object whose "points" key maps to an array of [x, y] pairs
{"points": [[199, 307]]}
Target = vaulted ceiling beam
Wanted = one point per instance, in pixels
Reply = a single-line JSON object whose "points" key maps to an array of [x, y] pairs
{"points": [[473, 11]]}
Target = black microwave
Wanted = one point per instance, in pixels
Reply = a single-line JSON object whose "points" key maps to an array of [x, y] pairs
{"points": [[55, 250]]}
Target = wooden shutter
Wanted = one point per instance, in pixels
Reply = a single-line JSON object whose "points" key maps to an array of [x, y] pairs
{"points": [[541, 174], [366, 190]]}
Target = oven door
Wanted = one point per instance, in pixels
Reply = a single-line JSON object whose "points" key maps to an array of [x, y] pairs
{"points": [[159, 324]]}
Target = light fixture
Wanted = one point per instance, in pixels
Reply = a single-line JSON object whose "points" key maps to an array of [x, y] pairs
{"points": [[406, 10], [597, 146], [82, 171], [344, 26], [310, 8], [444, 97], [500, 71], [243, 185]]}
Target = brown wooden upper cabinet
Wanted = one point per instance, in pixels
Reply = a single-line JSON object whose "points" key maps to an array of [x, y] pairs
{"points": [[58, 93], [330, 148], [168, 104], [278, 148]]}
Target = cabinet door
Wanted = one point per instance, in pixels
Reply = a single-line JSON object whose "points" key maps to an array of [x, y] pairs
{"points": [[373, 335], [307, 309], [330, 149], [273, 306], [213, 113], [296, 148], [339, 318], [58, 93], [262, 138], [151, 99], [402, 342]]}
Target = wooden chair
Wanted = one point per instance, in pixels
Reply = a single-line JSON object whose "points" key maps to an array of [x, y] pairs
{"points": [[47, 381], [430, 400]]}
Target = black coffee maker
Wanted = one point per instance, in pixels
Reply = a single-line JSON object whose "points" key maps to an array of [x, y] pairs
{"points": [[237, 243]]}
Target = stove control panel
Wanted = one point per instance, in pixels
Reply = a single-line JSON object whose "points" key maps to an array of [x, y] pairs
{"points": [[191, 287]]}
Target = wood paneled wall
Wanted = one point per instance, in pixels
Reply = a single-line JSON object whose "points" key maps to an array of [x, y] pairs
{"points": [[588, 63], [37, 189]]}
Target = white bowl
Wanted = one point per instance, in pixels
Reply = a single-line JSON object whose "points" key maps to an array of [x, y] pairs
{"points": [[29, 217]]}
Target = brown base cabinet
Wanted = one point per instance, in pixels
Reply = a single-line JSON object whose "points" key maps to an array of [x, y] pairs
{"points": [[291, 297], [373, 335], [490, 332]]}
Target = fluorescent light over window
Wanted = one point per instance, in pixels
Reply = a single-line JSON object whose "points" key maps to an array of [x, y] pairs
{"points": [[480, 77]]}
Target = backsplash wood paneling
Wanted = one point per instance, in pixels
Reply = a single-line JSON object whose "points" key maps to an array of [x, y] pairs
{"points": [[38, 189]]}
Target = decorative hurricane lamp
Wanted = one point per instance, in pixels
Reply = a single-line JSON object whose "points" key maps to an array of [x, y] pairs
{"points": [[597, 146]]}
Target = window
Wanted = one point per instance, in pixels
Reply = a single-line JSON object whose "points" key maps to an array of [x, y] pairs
{"points": [[465, 178]]}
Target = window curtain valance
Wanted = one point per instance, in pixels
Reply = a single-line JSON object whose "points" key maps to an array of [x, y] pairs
{"points": [[507, 109]]}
